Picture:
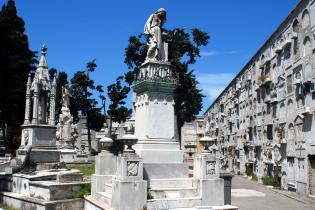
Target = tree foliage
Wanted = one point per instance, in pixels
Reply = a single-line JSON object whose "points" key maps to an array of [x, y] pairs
{"points": [[184, 48], [117, 112], [82, 101], [117, 94], [16, 61]]}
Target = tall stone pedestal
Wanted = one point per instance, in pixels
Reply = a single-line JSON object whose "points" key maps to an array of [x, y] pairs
{"points": [[155, 124]]}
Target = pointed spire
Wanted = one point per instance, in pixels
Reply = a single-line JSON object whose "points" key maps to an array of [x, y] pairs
{"points": [[29, 79], [43, 62], [42, 70]]}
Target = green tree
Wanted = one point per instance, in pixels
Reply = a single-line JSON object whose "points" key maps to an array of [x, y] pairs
{"points": [[82, 101], [16, 61], [184, 48], [117, 93], [117, 112]]}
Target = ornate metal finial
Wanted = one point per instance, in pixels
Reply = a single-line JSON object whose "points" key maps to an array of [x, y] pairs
{"points": [[44, 49]]}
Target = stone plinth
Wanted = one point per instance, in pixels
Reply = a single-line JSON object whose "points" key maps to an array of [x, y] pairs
{"points": [[38, 135], [212, 191], [165, 151], [45, 155], [129, 195], [40, 141]]}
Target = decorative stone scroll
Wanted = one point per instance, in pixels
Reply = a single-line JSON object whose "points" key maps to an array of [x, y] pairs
{"points": [[132, 168], [210, 168]]}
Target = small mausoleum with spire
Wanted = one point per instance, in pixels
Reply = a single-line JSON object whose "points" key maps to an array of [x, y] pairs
{"points": [[38, 140]]}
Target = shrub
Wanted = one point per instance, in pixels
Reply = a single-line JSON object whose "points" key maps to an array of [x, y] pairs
{"points": [[149, 195], [85, 190], [5, 207], [267, 180], [248, 170], [254, 177]]}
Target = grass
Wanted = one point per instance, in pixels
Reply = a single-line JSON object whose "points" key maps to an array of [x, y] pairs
{"points": [[85, 190], [86, 170], [5, 207]]}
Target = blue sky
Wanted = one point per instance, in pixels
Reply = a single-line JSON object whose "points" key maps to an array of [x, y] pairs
{"points": [[77, 31]]}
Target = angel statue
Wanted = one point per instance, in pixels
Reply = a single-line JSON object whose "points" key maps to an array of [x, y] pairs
{"points": [[66, 96], [153, 29]]}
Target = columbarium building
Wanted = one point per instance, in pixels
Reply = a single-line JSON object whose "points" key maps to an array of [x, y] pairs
{"points": [[264, 120]]}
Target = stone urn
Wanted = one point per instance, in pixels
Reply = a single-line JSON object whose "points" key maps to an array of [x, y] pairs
{"points": [[105, 143], [129, 139], [207, 142]]}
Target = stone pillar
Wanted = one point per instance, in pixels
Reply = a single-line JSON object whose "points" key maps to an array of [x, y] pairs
{"points": [[52, 107], [129, 181], [205, 166], [28, 101], [105, 167], [35, 102], [206, 170]]}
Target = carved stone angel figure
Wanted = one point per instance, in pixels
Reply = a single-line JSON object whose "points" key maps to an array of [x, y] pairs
{"points": [[153, 28], [66, 96]]}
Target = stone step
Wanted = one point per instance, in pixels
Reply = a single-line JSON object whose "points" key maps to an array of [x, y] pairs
{"points": [[96, 203], [174, 192], [108, 188], [172, 203], [104, 197], [172, 183]]}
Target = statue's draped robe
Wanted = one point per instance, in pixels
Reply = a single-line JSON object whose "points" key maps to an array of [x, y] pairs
{"points": [[153, 29]]}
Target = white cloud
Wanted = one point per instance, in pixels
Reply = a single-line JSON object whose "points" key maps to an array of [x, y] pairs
{"points": [[213, 84], [208, 53], [213, 53]]}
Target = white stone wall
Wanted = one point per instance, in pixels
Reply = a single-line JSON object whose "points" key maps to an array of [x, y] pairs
{"points": [[269, 107]]}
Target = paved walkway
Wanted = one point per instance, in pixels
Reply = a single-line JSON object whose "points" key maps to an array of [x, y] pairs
{"points": [[249, 195]]}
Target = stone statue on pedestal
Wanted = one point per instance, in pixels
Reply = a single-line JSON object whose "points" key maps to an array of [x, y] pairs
{"points": [[153, 29], [66, 97], [64, 127]]}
